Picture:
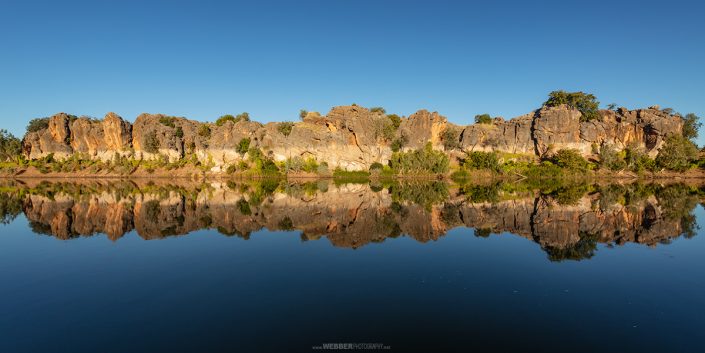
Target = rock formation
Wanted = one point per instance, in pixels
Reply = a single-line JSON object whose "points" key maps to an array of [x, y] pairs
{"points": [[348, 137]]}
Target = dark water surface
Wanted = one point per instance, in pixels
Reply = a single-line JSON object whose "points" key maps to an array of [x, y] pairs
{"points": [[144, 267]]}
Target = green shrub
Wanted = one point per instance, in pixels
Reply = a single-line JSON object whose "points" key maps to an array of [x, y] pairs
{"points": [[231, 169], [167, 121], [179, 132], [483, 119], [398, 144], [235, 119], [691, 126], [376, 166], [310, 165], [451, 138], [586, 103], [677, 154], [611, 159], [38, 124], [638, 161], [395, 119], [204, 131], [570, 159], [151, 143], [302, 114], [424, 160], [323, 169], [243, 146], [285, 127], [10, 146], [378, 110], [482, 160], [298, 164]]}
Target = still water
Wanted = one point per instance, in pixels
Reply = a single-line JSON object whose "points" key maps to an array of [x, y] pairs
{"points": [[97, 266]]}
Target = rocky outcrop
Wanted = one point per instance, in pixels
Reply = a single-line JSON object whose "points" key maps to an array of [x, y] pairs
{"points": [[348, 137]]}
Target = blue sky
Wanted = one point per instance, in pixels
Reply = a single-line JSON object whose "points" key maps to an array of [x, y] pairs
{"points": [[202, 59]]}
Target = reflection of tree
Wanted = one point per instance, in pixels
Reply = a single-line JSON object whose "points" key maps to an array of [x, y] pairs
{"points": [[481, 193], [425, 194], [677, 203], [583, 249], [10, 206], [482, 232], [570, 194]]}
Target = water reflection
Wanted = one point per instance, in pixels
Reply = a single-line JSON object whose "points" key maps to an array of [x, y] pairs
{"points": [[567, 220]]}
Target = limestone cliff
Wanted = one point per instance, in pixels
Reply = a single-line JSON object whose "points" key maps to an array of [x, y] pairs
{"points": [[349, 137]]}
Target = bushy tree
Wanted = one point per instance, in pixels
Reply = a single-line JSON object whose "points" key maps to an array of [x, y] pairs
{"points": [[637, 160], [677, 154], [151, 143], [611, 159], [482, 160], [424, 160], [285, 127], [38, 124], [378, 110], [570, 159], [204, 131], [302, 114], [395, 119], [243, 146], [451, 138], [586, 103], [376, 166], [235, 119], [10, 146], [167, 121], [483, 119], [398, 144], [691, 126]]}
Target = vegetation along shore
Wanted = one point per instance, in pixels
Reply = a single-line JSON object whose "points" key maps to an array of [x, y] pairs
{"points": [[569, 136]]}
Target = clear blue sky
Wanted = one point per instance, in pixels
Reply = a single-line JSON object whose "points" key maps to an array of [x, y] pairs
{"points": [[202, 59]]}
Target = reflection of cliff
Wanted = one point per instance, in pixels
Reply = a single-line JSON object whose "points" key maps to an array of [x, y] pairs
{"points": [[354, 215]]}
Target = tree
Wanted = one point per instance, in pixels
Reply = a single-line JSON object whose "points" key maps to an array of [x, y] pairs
{"points": [[451, 138], [482, 160], [378, 110], [204, 131], [612, 106], [285, 127], [586, 103], [399, 143], [424, 160], [38, 124], [303, 113], [395, 119], [483, 119], [235, 119], [677, 154], [637, 160], [243, 146], [570, 159], [691, 126], [611, 159], [10, 146], [151, 143], [243, 116]]}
